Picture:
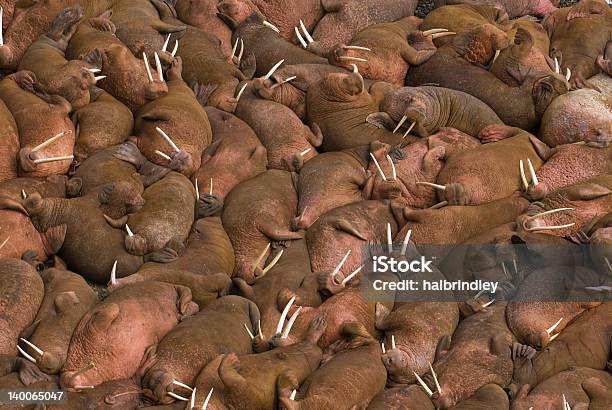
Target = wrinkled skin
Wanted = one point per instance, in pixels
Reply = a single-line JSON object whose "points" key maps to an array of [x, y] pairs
{"points": [[101, 124], [394, 48], [352, 377], [38, 117], [514, 8], [340, 104], [580, 57], [111, 395], [489, 395], [563, 124], [457, 65], [54, 73], [252, 381], [410, 397], [216, 329], [179, 115], [280, 131], [580, 386], [257, 212], [116, 335], [579, 344], [234, 155], [9, 140], [479, 354], [328, 181], [203, 15], [67, 298], [433, 108]]}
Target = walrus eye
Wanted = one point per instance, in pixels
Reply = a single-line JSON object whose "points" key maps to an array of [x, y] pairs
{"points": [[40, 267]]}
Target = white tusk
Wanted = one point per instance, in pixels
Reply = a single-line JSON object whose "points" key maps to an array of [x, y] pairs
{"points": [[193, 395], [240, 92], [409, 129], [534, 178], [94, 70], [305, 151], [356, 48], [349, 58], [503, 265], [438, 35], [197, 189], [181, 384], [553, 337], [113, 275], [99, 77], [479, 294], [299, 36], [176, 396], [249, 332], [488, 303], [1, 34], [129, 231], [53, 159], [33, 346], [523, 177], [392, 342], [355, 69], [27, 356], [175, 49], [273, 69], [167, 138], [422, 383], [351, 276], [564, 402], [550, 228], [389, 238], [158, 67], [286, 80], [568, 74], [552, 211], [306, 33], [23, 194], [165, 46], [434, 31], [163, 155], [430, 184], [5, 242], [382, 346], [382, 174], [394, 173], [495, 56], [260, 257], [400, 123], [235, 47], [515, 267], [47, 142], [83, 387], [281, 320], [259, 326], [290, 324], [146, 63], [337, 268], [241, 51], [606, 259], [406, 240], [553, 327], [211, 191], [207, 400], [270, 25], [293, 393], [272, 263], [435, 378], [557, 68]]}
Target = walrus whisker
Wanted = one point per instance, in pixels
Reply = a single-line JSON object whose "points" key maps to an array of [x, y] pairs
{"points": [[299, 36], [47, 142], [400, 123], [435, 377], [176, 396], [53, 159], [292, 319], [431, 184], [113, 274], [146, 63], [393, 171], [182, 385], [422, 383], [382, 174], [306, 33], [167, 138], [207, 400], [534, 178], [283, 317], [261, 256], [273, 69], [553, 327], [351, 276], [523, 176], [405, 242], [33, 346], [270, 25]]}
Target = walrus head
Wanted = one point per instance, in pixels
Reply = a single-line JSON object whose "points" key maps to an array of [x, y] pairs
{"points": [[545, 89]]}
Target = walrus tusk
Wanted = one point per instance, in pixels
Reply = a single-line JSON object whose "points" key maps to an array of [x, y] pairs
{"points": [[552, 211], [339, 266], [409, 129], [146, 63], [305, 152], [211, 190], [382, 174], [489, 303], [5, 242], [27, 356], [273, 69], [515, 267], [89, 387], [553, 337], [503, 265], [261, 256], [389, 238], [438, 35], [356, 48], [393, 171], [272, 263], [568, 74], [286, 80], [299, 36], [270, 25], [47, 142], [193, 395], [197, 189], [495, 56], [113, 274], [158, 67], [249, 332], [235, 47], [167, 138], [285, 333], [565, 405], [430, 184], [165, 46], [259, 326], [293, 394], [351, 276], [400, 123], [382, 346], [355, 69], [557, 68], [406, 240], [534, 178], [23, 194], [241, 51], [606, 259], [392, 342], [306, 33], [283, 317], [176, 396], [94, 70], [99, 77], [33, 346], [422, 383], [181, 384], [523, 176], [434, 31], [479, 294], [53, 159], [349, 58], [207, 400], [1, 34], [435, 377], [163, 155], [553, 327], [129, 231], [240, 92], [549, 228], [175, 49]]}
